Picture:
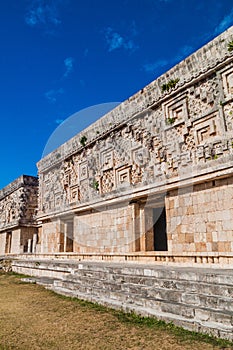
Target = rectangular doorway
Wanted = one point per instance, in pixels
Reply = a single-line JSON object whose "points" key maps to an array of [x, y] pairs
{"points": [[160, 229]]}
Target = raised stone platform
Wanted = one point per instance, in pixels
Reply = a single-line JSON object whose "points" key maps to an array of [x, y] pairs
{"points": [[198, 299], [192, 259]]}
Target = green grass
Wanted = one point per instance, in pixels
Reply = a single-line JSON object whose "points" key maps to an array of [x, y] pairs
{"points": [[109, 325], [152, 322]]}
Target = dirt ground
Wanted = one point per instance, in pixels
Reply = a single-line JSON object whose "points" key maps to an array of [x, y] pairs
{"points": [[33, 318]]}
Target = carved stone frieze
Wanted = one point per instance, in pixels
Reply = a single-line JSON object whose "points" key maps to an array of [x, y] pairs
{"points": [[228, 114], [18, 202], [227, 80], [154, 135], [107, 181], [207, 129]]}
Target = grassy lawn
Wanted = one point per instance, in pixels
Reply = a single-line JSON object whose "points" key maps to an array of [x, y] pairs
{"points": [[33, 318]]}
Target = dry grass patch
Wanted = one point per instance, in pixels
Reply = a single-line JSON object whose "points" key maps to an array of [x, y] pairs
{"points": [[33, 318]]}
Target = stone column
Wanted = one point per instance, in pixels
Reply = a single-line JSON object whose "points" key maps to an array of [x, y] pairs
{"points": [[34, 242], [29, 245], [149, 231], [135, 225]]}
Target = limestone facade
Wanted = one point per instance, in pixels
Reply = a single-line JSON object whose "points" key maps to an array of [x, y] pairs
{"points": [[18, 209], [155, 173]]}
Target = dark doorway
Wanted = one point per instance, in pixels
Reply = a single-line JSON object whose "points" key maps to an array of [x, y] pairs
{"points": [[160, 229]]}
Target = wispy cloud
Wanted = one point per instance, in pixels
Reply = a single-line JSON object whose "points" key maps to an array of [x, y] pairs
{"points": [[52, 95], [183, 53], [156, 66], [68, 62], [224, 23], [42, 13], [153, 67], [116, 41], [59, 121], [133, 28]]}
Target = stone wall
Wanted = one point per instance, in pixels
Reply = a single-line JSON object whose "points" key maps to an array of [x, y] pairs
{"points": [[18, 209], [2, 243], [108, 230], [201, 218], [196, 299], [175, 133], [18, 202], [193, 70]]}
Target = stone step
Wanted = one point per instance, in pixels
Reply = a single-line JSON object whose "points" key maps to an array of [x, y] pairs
{"points": [[215, 276], [184, 315], [173, 289], [175, 282], [197, 299], [174, 285], [192, 299], [171, 274]]}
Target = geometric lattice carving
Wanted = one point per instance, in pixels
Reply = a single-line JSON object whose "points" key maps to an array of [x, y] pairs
{"points": [[107, 181], [189, 141], [202, 96], [121, 151], [175, 137], [136, 174]]}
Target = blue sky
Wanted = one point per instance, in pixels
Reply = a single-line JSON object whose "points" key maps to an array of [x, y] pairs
{"points": [[61, 56]]}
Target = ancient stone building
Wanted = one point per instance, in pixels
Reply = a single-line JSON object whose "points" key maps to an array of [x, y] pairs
{"points": [[151, 181], [155, 173], [18, 206]]}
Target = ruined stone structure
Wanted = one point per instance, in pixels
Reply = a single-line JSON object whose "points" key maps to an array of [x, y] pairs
{"points": [[196, 299], [18, 206], [152, 182], [155, 173]]}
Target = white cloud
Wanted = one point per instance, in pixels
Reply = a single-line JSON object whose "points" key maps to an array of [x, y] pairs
{"points": [[68, 62], [52, 95], [116, 41], [133, 28], [42, 13], [224, 23], [59, 121], [154, 67], [183, 53]]}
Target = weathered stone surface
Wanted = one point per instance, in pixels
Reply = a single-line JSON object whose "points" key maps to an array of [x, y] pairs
{"points": [[125, 286], [154, 174], [18, 210], [166, 147]]}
